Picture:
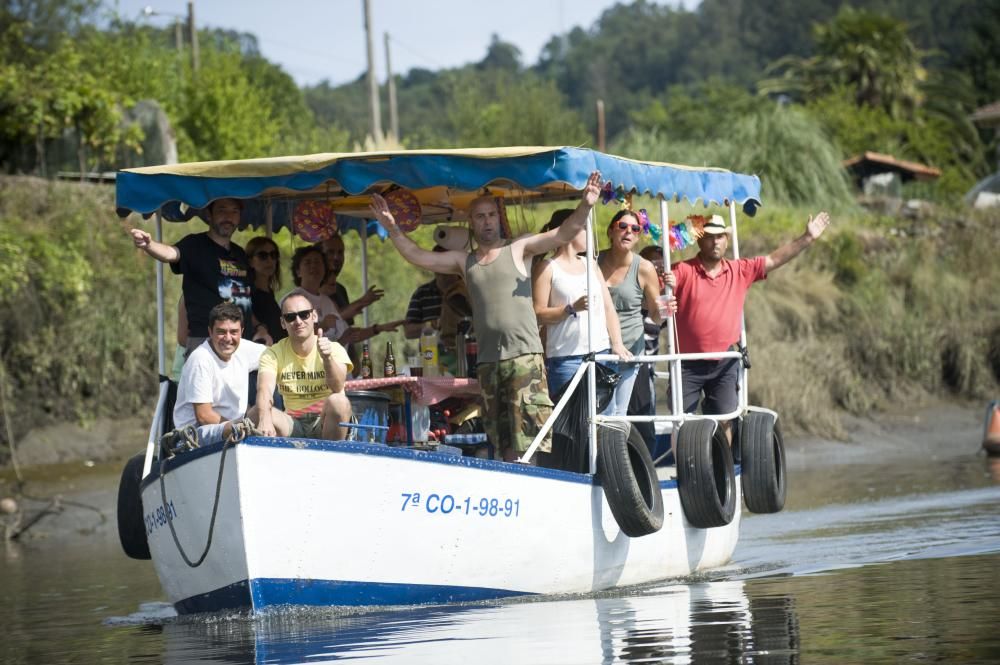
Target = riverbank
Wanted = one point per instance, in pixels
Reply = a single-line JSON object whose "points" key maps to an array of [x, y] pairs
{"points": [[81, 466], [936, 428]]}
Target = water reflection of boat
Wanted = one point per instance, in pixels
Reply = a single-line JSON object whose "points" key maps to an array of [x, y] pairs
{"points": [[302, 522], [710, 622]]}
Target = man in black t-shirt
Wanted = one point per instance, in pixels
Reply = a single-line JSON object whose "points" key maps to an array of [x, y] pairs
{"points": [[214, 269]]}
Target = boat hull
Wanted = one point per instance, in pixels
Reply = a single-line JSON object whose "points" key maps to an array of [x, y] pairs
{"points": [[303, 522]]}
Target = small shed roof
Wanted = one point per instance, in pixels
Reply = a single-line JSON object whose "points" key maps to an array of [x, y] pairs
{"points": [[869, 163], [987, 116]]}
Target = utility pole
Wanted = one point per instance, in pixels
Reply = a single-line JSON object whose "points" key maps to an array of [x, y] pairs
{"points": [[194, 38], [373, 105], [391, 84], [600, 126], [178, 35]]}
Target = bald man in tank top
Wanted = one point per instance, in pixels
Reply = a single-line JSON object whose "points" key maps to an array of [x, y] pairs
{"points": [[511, 367]]}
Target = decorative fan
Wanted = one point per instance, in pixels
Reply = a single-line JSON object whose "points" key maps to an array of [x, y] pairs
{"points": [[314, 221], [405, 208]]}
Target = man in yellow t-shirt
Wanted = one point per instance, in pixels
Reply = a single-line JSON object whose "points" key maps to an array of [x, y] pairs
{"points": [[310, 372]]}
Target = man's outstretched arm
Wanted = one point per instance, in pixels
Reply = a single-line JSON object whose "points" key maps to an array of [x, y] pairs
{"points": [[446, 263], [159, 251], [814, 229], [541, 243]]}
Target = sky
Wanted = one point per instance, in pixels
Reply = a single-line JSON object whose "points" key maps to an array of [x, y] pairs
{"points": [[313, 40]]}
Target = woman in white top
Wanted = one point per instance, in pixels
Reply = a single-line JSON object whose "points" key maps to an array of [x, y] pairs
{"points": [[559, 290], [308, 272]]}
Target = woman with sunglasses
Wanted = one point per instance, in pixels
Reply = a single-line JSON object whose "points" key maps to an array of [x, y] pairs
{"points": [[634, 286], [308, 272], [559, 293], [265, 260]]}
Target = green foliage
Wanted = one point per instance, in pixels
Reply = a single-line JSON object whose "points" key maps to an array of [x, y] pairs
{"points": [[75, 335], [498, 108], [695, 112], [929, 137], [224, 106], [797, 163], [868, 53]]}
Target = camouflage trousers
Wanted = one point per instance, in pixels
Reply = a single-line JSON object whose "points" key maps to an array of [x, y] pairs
{"points": [[516, 402]]}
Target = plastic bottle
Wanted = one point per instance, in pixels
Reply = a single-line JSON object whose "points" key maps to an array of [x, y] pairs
{"points": [[429, 350], [366, 363], [389, 365], [421, 423]]}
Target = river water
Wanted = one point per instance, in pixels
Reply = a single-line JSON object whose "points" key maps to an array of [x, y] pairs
{"points": [[883, 561]]}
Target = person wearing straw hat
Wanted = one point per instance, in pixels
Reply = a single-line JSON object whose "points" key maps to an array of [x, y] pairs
{"points": [[710, 292]]}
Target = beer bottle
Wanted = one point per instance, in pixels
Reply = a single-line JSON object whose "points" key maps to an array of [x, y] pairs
{"points": [[366, 363], [389, 366]]}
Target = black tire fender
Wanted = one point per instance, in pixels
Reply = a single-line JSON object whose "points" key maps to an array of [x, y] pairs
{"points": [[706, 479], [631, 486], [763, 463], [131, 528]]}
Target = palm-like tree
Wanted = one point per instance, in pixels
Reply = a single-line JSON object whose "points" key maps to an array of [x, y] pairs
{"points": [[868, 53]]}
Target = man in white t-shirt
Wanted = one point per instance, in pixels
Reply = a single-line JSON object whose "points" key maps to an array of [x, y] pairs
{"points": [[213, 390]]}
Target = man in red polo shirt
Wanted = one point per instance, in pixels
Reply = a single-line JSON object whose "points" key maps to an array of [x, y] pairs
{"points": [[710, 293]]}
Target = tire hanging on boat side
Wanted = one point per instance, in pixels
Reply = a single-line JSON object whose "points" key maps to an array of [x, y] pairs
{"points": [[763, 464], [706, 479], [131, 528], [631, 487]]}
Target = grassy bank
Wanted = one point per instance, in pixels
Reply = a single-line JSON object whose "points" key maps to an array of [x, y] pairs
{"points": [[882, 311]]}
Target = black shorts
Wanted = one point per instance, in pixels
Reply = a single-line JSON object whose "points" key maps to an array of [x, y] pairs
{"points": [[717, 379]]}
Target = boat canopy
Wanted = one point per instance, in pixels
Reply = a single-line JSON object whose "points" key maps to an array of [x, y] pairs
{"points": [[443, 181]]}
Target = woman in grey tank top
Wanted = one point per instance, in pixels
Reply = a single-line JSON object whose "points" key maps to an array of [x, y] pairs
{"points": [[634, 285]]}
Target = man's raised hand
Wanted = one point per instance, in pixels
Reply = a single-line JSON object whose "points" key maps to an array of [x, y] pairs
{"points": [[141, 238], [817, 224], [380, 211], [592, 190]]}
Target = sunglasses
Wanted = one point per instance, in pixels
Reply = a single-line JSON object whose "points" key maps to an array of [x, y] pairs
{"points": [[625, 226], [302, 314], [264, 254]]}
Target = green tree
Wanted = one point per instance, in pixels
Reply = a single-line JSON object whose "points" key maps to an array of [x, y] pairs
{"points": [[868, 53], [504, 109]]}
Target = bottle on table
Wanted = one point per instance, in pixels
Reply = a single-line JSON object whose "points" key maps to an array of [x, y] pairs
{"points": [[471, 355], [366, 363], [461, 334], [389, 365], [429, 350]]}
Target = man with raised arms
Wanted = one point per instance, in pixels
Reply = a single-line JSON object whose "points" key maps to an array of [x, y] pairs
{"points": [[711, 291], [511, 366], [310, 372]]}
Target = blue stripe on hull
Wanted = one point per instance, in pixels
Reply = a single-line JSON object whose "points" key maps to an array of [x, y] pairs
{"points": [[268, 592]]}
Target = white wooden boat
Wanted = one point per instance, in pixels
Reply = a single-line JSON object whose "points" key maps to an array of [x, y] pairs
{"points": [[265, 522], [307, 522]]}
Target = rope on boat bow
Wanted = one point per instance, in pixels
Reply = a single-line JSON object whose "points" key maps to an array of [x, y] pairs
{"points": [[240, 429]]}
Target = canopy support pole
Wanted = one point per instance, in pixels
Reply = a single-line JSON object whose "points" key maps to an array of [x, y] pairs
{"points": [[744, 383], [161, 326], [591, 365], [364, 267], [269, 218], [676, 405]]}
